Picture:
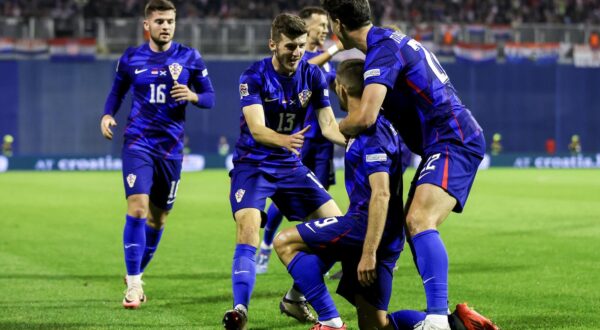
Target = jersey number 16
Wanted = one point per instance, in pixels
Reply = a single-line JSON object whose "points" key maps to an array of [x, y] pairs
{"points": [[157, 93]]}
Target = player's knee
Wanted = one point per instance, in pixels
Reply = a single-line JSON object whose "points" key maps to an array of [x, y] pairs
{"points": [[418, 221], [138, 212]]}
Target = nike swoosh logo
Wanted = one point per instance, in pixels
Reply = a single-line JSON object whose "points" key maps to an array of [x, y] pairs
{"points": [[171, 201], [240, 271], [422, 175], [271, 100], [140, 71], [429, 279], [127, 246]]}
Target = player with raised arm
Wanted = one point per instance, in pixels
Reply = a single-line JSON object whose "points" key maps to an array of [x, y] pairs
{"points": [[159, 74], [275, 94], [406, 80], [317, 151]]}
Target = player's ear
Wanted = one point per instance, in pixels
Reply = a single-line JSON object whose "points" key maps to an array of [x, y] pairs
{"points": [[272, 45], [146, 25]]}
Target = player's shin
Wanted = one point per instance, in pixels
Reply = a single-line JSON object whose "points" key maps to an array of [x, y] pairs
{"points": [[134, 241], [153, 237], [243, 274], [432, 260], [307, 271]]}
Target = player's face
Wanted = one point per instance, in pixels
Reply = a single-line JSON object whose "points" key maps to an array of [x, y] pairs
{"points": [[161, 26], [288, 53], [318, 29]]}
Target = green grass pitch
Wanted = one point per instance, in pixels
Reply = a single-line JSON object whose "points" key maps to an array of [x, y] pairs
{"points": [[526, 252]]}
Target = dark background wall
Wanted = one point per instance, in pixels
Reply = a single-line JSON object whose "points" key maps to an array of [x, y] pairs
{"points": [[54, 108]]}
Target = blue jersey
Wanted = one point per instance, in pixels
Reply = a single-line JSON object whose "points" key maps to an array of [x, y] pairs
{"points": [[419, 91], [377, 149], [311, 115], [285, 100], [156, 121]]}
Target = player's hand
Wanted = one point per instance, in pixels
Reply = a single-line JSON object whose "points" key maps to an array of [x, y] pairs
{"points": [[366, 269], [294, 142], [181, 92], [105, 124], [339, 44]]}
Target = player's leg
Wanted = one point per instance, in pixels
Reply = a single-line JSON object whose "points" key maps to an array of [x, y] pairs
{"points": [[442, 185], [137, 178], [243, 270], [329, 209], [274, 219], [249, 191], [166, 181], [307, 270]]}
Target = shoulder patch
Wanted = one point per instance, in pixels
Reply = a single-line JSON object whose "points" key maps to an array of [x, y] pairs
{"points": [[382, 157], [372, 73], [244, 90]]}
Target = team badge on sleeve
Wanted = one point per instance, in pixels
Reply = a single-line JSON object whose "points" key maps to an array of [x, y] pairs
{"points": [[131, 180], [304, 97], [244, 90], [239, 195], [175, 69]]}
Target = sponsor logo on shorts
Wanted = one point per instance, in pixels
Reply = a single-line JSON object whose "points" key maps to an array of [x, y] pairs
{"points": [[131, 180], [381, 157], [239, 195]]}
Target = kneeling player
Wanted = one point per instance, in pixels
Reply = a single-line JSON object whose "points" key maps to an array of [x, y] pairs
{"points": [[368, 239]]}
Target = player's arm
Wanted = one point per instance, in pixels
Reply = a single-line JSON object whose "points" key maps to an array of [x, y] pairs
{"points": [[370, 103], [329, 126], [327, 55], [117, 93], [255, 118], [378, 209]]}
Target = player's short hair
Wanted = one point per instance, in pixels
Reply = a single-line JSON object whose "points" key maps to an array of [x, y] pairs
{"points": [[354, 14], [289, 25], [158, 5], [350, 74], [307, 12]]}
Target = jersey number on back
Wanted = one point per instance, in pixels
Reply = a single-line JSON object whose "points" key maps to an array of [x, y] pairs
{"points": [[157, 93], [432, 61]]}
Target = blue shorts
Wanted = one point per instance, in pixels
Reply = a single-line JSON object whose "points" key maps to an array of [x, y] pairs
{"points": [[296, 191], [341, 239], [317, 155], [452, 167], [146, 174]]}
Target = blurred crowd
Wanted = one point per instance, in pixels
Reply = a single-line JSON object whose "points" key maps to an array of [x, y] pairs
{"points": [[413, 11]]}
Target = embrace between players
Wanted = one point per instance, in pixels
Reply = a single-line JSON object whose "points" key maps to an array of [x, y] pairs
{"points": [[399, 91]]}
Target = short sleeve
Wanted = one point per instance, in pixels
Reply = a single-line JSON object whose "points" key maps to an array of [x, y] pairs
{"points": [[320, 90], [250, 85], [382, 65]]}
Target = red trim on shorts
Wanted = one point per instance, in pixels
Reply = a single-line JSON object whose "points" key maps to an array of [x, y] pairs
{"points": [[445, 177], [335, 240]]}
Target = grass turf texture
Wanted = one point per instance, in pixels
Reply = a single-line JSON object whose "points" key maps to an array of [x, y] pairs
{"points": [[525, 253]]}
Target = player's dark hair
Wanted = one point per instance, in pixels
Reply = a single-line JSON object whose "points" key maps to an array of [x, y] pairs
{"points": [[289, 25], [354, 14], [307, 12], [350, 75], [158, 5]]}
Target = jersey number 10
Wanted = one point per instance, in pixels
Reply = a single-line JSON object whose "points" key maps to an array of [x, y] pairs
{"points": [[157, 93]]}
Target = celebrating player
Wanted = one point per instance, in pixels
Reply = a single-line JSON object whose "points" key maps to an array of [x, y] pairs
{"points": [[408, 81], [275, 94], [317, 151], [160, 74]]}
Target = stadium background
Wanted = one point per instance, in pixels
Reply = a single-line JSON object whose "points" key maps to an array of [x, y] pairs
{"points": [[526, 69]]}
